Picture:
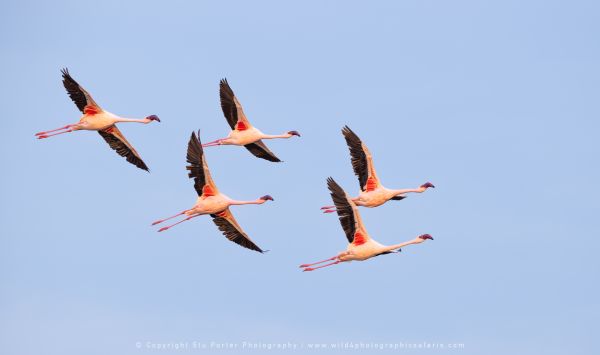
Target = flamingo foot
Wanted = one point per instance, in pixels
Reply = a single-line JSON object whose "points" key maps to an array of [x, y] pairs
{"points": [[213, 143], [166, 219], [329, 211], [43, 133], [327, 207], [319, 262], [322, 266], [174, 224]]}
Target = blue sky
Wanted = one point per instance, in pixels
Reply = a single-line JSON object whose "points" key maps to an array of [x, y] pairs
{"points": [[493, 102]]}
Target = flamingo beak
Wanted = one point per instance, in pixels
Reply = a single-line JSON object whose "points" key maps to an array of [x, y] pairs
{"points": [[294, 133], [426, 236], [428, 184], [153, 118], [267, 198]]}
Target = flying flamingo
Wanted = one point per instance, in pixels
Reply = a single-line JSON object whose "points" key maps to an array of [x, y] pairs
{"points": [[361, 247], [211, 201], [243, 133], [372, 193], [96, 119]]}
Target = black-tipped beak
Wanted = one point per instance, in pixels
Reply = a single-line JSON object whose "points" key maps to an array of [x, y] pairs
{"points": [[153, 118], [428, 184], [267, 198], [294, 133], [426, 236]]}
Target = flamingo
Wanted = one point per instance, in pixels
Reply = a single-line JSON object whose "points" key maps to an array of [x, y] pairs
{"points": [[210, 201], [373, 193], [361, 247], [244, 133], [96, 119]]}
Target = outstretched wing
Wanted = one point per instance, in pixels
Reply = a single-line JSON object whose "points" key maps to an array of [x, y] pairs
{"points": [[362, 162], [198, 169], [232, 230], [232, 109], [259, 149], [116, 140], [348, 214], [82, 99]]}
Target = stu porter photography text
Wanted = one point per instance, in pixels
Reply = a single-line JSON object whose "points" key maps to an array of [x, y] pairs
{"points": [[254, 345]]}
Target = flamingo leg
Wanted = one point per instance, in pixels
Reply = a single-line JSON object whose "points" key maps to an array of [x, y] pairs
{"points": [[329, 211], [318, 262], [166, 219], [213, 143], [174, 224], [322, 266], [327, 207], [43, 133], [42, 136]]}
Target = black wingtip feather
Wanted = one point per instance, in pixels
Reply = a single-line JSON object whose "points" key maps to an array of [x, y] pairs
{"points": [[344, 209], [358, 157], [194, 159], [74, 90], [398, 198], [227, 98], [231, 233], [121, 148], [260, 150]]}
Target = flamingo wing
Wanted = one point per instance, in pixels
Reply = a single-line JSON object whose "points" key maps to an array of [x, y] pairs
{"points": [[231, 230], [398, 198], [232, 109], [198, 169], [362, 161], [260, 150], [82, 99], [116, 140], [348, 214]]}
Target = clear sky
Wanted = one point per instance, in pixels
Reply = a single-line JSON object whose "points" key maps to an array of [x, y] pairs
{"points": [[496, 103]]}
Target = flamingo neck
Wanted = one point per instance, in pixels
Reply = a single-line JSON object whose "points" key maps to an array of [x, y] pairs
{"points": [[122, 119], [401, 245], [275, 136], [255, 202], [394, 192]]}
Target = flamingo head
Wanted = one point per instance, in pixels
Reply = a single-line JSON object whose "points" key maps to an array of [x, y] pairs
{"points": [[427, 185], [266, 198], [425, 237], [153, 118], [294, 133]]}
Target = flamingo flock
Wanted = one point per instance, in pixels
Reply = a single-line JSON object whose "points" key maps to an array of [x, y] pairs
{"points": [[360, 245], [210, 201]]}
